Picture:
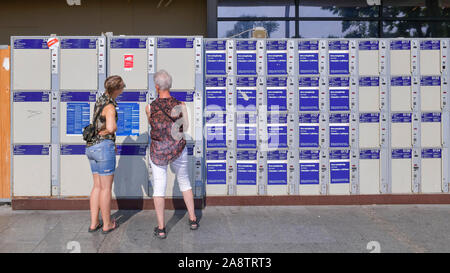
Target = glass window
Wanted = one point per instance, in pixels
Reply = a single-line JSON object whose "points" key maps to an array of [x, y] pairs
{"points": [[322, 8], [230, 8], [275, 29], [416, 8], [338, 29], [415, 29]]}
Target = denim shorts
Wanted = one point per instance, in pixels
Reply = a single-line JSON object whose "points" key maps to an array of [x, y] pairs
{"points": [[102, 157]]}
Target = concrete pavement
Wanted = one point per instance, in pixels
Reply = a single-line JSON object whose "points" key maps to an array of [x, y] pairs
{"points": [[395, 228]]}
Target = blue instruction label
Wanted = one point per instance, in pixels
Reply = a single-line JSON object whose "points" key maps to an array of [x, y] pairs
{"points": [[186, 96], [79, 43], [128, 43], [276, 118], [245, 118], [246, 137], [339, 172], [338, 45], [309, 173], [369, 154], [430, 45], [401, 81], [308, 63], [175, 42], [133, 150], [30, 44], [276, 82], [215, 63], [431, 117], [246, 45], [216, 137], [31, 149], [308, 45], [276, 173], [128, 119], [277, 136], [309, 99], [401, 153], [276, 100], [246, 81], [368, 45], [309, 136], [246, 99], [276, 63], [369, 81], [73, 150], [246, 174], [339, 99], [78, 96], [216, 173], [216, 82], [401, 117], [339, 63], [431, 153], [339, 136], [215, 45], [276, 45], [369, 117], [215, 99], [31, 97], [309, 154], [246, 63], [77, 117], [430, 80], [401, 45]]}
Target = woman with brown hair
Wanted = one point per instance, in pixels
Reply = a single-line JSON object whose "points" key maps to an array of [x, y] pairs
{"points": [[101, 152]]}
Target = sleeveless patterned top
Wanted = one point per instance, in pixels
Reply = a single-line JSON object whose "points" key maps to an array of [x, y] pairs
{"points": [[104, 100], [164, 149]]}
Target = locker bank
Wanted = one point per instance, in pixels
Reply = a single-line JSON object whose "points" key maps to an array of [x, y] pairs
{"points": [[272, 121]]}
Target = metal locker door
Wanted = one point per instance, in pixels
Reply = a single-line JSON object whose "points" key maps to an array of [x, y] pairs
{"points": [[401, 171], [131, 176], [31, 64], [430, 57], [369, 171], [400, 57], [368, 57], [31, 170], [431, 173], [369, 94], [75, 171], [216, 172], [309, 166]]}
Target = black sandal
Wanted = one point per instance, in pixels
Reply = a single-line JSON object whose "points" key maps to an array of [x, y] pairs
{"points": [[95, 229], [193, 225], [157, 232], [116, 225]]}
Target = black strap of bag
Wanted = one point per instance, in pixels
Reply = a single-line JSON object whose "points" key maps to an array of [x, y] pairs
{"points": [[157, 104], [90, 131]]}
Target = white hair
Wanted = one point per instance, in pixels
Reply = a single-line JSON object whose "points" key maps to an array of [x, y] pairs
{"points": [[163, 79]]}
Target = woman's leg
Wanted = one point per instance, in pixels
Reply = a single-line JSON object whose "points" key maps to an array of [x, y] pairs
{"points": [[105, 200], [182, 171], [94, 201], [159, 191]]}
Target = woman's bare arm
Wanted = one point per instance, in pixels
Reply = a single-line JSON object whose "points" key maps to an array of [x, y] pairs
{"points": [[185, 117], [109, 112]]}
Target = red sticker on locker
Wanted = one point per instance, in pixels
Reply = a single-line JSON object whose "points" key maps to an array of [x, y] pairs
{"points": [[128, 61], [52, 42]]}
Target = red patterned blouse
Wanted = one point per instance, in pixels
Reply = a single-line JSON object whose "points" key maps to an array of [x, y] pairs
{"points": [[167, 139]]}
